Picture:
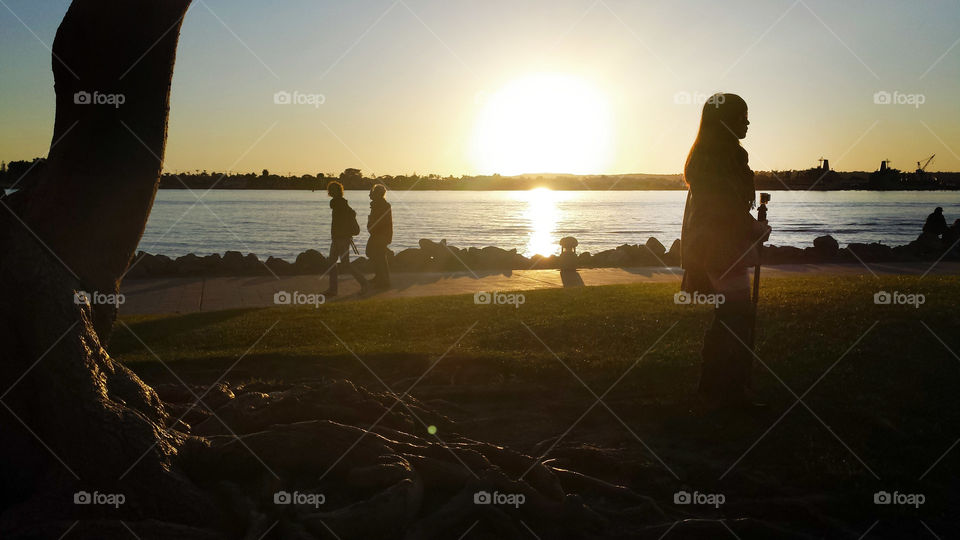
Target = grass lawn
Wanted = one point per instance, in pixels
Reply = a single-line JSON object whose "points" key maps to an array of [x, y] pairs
{"points": [[879, 386]]}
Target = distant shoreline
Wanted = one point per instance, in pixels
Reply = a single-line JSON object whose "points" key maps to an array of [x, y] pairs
{"points": [[23, 173]]}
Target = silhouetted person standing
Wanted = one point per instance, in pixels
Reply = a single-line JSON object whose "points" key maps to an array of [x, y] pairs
{"points": [[380, 227], [342, 230], [719, 241], [936, 223]]}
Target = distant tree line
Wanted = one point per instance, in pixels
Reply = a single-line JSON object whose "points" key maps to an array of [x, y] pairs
{"points": [[21, 173], [354, 179]]}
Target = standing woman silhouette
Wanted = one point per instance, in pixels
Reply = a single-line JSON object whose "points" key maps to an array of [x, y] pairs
{"points": [[719, 242]]}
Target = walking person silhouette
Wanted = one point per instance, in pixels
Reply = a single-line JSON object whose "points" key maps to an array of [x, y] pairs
{"points": [[343, 228], [380, 227], [719, 242]]}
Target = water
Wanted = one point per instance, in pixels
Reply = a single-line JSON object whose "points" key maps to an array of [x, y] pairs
{"points": [[285, 223]]}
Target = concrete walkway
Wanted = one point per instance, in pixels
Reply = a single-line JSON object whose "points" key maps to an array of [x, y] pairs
{"points": [[191, 295]]}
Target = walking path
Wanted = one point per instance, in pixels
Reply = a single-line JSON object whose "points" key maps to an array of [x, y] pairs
{"points": [[191, 295]]}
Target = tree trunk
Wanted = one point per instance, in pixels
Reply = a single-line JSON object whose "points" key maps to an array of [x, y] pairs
{"points": [[73, 419]]}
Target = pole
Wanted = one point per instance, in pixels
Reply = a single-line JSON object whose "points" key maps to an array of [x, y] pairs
{"points": [[761, 217]]}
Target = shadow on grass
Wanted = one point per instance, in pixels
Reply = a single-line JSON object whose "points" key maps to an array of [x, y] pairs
{"points": [[151, 328]]}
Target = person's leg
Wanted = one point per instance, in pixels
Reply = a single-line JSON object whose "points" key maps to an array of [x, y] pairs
{"points": [[727, 361], [345, 260], [336, 248], [378, 257]]}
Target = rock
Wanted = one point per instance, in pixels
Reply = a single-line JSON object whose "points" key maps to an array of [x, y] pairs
{"points": [[252, 266], [432, 248], [826, 247], [310, 261], [212, 264], [232, 263], [656, 247], [673, 256], [410, 260], [189, 265], [782, 255], [279, 267], [874, 252], [928, 243], [611, 257], [496, 258]]}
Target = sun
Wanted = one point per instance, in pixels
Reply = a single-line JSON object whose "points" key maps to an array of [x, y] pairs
{"points": [[544, 123]]}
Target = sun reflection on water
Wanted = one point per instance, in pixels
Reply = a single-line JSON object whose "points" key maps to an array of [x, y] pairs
{"points": [[542, 214]]}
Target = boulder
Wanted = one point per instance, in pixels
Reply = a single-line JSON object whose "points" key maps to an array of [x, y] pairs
{"points": [[783, 255], [656, 247], [252, 266], [410, 260], [673, 257], [212, 264], [825, 247], [189, 265], [310, 261], [874, 252], [232, 263], [431, 248], [496, 258], [278, 266]]}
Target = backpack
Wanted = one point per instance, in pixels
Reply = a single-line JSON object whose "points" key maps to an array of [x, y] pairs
{"points": [[354, 226]]}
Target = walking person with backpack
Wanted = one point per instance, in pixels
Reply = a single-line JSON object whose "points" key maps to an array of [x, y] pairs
{"points": [[342, 230]]}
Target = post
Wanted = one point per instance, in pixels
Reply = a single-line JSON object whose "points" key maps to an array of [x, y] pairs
{"points": [[761, 217]]}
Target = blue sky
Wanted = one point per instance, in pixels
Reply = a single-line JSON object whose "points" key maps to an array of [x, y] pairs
{"points": [[404, 83]]}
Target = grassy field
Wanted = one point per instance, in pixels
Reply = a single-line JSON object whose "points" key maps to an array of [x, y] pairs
{"points": [[878, 385]]}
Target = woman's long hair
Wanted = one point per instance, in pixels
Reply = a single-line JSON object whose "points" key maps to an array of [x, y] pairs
{"points": [[716, 159]]}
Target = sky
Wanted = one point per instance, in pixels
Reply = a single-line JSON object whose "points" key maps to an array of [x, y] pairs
{"points": [[509, 86]]}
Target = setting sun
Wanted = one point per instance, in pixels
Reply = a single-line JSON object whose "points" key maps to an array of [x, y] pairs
{"points": [[544, 123]]}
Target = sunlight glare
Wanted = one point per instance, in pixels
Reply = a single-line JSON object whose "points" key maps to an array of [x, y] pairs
{"points": [[543, 214], [544, 123]]}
